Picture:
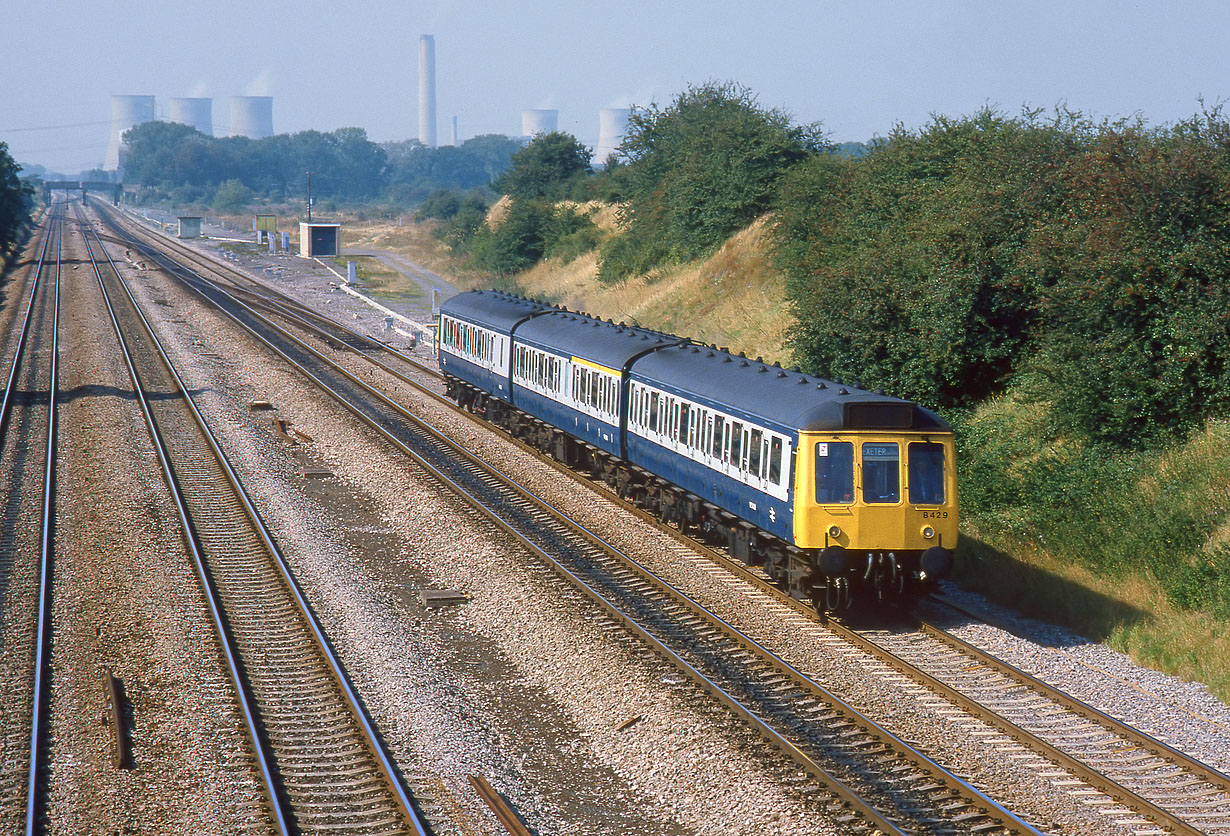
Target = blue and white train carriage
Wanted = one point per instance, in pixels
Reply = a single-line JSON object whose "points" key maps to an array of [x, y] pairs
{"points": [[842, 494]]}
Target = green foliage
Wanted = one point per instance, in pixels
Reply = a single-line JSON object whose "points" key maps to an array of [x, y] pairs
{"points": [[545, 168], [569, 235], [345, 165], [16, 202], [1133, 272], [444, 204], [532, 230], [517, 243], [414, 171], [700, 169], [232, 197], [1084, 261], [902, 266], [1111, 510], [635, 252]]}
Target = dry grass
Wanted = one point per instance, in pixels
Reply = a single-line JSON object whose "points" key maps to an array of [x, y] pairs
{"points": [[1131, 614], [735, 298]]}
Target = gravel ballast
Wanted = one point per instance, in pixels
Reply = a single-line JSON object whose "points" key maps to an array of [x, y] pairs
{"points": [[579, 726]]}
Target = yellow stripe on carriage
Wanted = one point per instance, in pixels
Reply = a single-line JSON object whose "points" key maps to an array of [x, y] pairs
{"points": [[597, 366]]}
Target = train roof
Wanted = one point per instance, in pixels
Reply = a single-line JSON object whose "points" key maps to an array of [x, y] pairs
{"points": [[491, 308], [792, 399], [604, 343]]}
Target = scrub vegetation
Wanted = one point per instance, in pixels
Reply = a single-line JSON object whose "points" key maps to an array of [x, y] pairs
{"points": [[1055, 286], [16, 204]]}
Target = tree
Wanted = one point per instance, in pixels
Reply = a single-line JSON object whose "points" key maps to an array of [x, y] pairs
{"points": [[903, 266], [545, 168], [232, 197], [702, 168], [16, 201]]}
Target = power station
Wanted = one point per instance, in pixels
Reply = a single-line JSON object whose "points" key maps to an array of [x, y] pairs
{"points": [[126, 112], [195, 112], [535, 122], [612, 127], [427, 90], [251, 116]]}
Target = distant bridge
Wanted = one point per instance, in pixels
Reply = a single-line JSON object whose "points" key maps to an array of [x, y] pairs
{"points": [[101, 186]]}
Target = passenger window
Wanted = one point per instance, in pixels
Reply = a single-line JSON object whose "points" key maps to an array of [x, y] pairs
{"points": [[926, 468], [736, 444], [881, 473], [775, 461], [653, 411], [718, 423], [754, 452], [834, 472]]}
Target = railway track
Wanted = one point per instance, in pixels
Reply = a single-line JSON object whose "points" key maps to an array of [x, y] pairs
{"points": [[27, 485], [322, 764], [866, 778], [1139, 781]]}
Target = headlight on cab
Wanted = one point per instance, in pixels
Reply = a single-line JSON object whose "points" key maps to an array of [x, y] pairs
{"points": [[834, 531], [928, 532]]}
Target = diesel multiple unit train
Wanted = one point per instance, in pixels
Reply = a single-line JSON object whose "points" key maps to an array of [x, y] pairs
{"points": [[843, 495]]}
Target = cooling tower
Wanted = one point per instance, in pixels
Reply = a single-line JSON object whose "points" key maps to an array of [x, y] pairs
{"points": [[126, 112], [427, 90], [251, 116], [534, 122], [612, 125], [196, 113]]}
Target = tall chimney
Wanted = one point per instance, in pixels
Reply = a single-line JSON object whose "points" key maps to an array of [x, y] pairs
{"points": [[427, 90]]}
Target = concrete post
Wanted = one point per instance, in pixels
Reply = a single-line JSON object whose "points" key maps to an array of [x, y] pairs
{"points": [[351, 273]]}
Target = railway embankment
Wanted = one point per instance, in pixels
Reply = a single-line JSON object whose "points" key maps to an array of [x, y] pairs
{"points": [[1131, 548]]}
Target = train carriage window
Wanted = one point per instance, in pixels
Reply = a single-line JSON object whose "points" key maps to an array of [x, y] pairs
{"points": [[775, 461], [754, 453], [926, 469], [736, 444], [719, 434], [686, 428], [881, 473], [834, 472], [653, 411]]}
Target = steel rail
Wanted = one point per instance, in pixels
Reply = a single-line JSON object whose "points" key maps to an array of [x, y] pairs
{"points": [[1052, 753], [277, 803], [1114, 725], [6, 406], [46, 563], [831, 782], [980, 798], [1056, 755], [372, 737]]}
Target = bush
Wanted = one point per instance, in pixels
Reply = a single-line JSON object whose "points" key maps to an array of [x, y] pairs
{"points": [[700, 169], [232, 197]]}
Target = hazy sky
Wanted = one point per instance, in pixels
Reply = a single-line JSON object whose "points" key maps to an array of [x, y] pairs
{"points": [[857, 67]]}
